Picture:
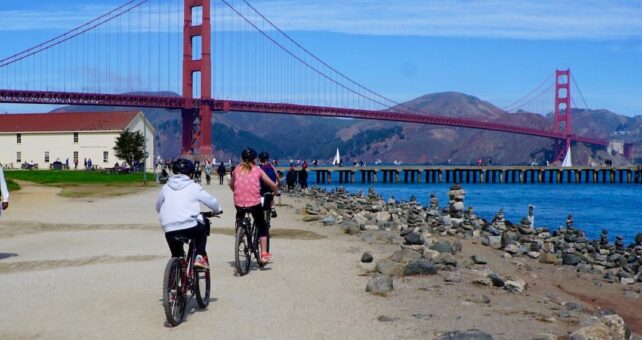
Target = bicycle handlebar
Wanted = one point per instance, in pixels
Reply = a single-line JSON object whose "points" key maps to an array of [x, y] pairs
{"points": [[210, 214]]}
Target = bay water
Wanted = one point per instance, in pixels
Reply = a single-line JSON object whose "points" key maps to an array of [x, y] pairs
{"points": [[614, 207]]}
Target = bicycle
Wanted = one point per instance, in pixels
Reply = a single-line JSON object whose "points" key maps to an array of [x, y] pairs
{"points": [[182, 281], [246, 242]]}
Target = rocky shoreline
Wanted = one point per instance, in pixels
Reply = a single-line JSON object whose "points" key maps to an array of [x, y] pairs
{"points": [[430, 244]]}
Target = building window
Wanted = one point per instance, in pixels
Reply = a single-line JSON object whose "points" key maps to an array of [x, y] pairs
{"points": [[105, 156], [19, 157], [19, 138], [75, 137], [46, 156]]}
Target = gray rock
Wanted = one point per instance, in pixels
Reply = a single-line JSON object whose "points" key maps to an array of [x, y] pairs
{"points": [[545, 336], [477, 259], [496, 279], [367, 257], [414, 238], [405, 255], [388, 267], [451, 276], [471, 334], [329, 220], [515, 286], [420, 267], [495, 242], [446, 259], [379, 284], [549, 258], [571, 259], [442, 247]]}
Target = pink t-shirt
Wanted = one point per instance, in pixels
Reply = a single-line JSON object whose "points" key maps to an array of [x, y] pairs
{"points": [[246, 187]]}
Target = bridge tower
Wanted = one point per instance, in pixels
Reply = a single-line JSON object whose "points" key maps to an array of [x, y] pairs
{"points": [[197, 120], [562, 112]]}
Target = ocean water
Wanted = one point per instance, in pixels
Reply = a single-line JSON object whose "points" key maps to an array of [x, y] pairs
{"points": [[614, 207]]}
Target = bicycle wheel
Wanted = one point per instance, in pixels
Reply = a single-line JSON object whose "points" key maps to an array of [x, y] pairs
{"points": [[242, 256], [256, 248], [202, 287], [173, 298]]}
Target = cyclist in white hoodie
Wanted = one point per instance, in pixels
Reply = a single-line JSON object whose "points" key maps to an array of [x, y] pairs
{"points": [[179, 208]]}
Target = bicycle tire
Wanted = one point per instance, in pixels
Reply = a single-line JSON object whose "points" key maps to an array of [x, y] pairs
{"points": [[257, 248], [202, 293], [242, 256], [173, 298]]}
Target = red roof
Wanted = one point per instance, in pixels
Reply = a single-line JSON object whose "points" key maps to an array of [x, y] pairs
{"points": [[66, 121]]}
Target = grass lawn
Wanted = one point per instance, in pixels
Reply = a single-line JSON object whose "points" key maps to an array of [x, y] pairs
{"points": [[82, 183], [13, 186]]}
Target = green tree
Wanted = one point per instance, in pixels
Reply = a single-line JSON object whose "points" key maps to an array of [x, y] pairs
{"points": [[130, 146]]}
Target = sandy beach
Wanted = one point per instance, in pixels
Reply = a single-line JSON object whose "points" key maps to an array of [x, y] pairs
{"points": [[93, 268]]}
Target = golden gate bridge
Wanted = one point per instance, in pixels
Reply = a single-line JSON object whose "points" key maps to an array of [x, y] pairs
{"points": [[226, 56]]}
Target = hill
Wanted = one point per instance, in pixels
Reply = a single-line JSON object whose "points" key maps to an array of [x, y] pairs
{"points": [[299, 137]]}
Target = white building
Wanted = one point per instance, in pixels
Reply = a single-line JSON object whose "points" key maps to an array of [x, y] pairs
{"points": [[44, 138]]}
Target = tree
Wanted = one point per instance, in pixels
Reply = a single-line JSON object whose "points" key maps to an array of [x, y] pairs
{"points": [[130, 147]]}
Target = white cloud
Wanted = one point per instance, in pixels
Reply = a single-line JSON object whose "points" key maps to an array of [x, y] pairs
{"points": [[527, 19]]}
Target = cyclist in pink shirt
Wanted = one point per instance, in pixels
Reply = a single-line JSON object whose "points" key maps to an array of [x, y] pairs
{"points": [[245, 184]]}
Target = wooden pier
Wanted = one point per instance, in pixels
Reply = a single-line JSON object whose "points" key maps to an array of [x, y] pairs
{"points": [[473, 174]]}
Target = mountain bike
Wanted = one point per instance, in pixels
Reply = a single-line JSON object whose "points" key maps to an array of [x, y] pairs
{"points": [[246, 242], [182, 281]]}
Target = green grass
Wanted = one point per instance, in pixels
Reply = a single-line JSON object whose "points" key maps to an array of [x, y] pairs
{"points": [[13, 186], [76, 177]]}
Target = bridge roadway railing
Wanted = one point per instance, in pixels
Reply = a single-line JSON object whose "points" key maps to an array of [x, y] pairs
{"points": [[471, 174]]}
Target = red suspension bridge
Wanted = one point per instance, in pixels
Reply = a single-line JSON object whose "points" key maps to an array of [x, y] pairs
{"points": [[225, 55]]}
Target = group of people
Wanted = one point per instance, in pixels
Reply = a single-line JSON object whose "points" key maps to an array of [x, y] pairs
{"points": [[293, 177], [178, 204]]}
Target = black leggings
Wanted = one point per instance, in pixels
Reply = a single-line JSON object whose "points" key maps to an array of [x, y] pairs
{"points": [[257, 215], [198, 233]]}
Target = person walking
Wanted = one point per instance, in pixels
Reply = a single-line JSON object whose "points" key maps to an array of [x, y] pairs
{"points": [[208, 171], [290, 178], [4, 192], [303, 178], [221, 173]]}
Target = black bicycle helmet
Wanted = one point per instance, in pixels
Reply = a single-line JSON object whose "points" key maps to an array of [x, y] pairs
{"points": [[264, 156], [248, 155], [183, 166]]}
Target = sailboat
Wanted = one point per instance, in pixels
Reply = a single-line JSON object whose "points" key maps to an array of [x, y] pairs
{"points": [[567, 163], [337, 158]]}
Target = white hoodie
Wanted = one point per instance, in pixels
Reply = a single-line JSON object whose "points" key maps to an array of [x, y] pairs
{"points": [[179, 203], [4, 192]]}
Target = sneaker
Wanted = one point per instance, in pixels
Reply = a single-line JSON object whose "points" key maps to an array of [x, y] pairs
{"points": [[266, 257], [201, 262], [273, 213]]}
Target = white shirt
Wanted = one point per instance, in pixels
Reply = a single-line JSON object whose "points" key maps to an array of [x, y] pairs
{"points": [[4, 192]]}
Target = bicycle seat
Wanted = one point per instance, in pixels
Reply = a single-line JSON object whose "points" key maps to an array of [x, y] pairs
{"points": [[245, 210]]}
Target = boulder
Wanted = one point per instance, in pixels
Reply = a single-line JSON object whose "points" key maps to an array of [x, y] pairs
{"points": [[495, 242], [496, 279], [515, 286], [379, 284], [608, 327], [571, 259], [477, 259], [451, 276], [414, 238], [405, 255], [420, 267], [442, 247], [550, 258], [388, 267], [311, 218], [446, 259]]}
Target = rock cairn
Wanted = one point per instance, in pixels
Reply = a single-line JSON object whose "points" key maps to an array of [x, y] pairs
{"points": [[416, 227]]}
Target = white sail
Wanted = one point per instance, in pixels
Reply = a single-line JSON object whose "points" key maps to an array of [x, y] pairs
{"points": [[567, 159], [337, 158]]}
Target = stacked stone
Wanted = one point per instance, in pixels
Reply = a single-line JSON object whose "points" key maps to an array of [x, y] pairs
{"points": [[456, 202], [568, 245]]}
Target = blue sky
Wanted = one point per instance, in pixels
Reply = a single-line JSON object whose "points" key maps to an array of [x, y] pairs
{"points": [[495, 50]]}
